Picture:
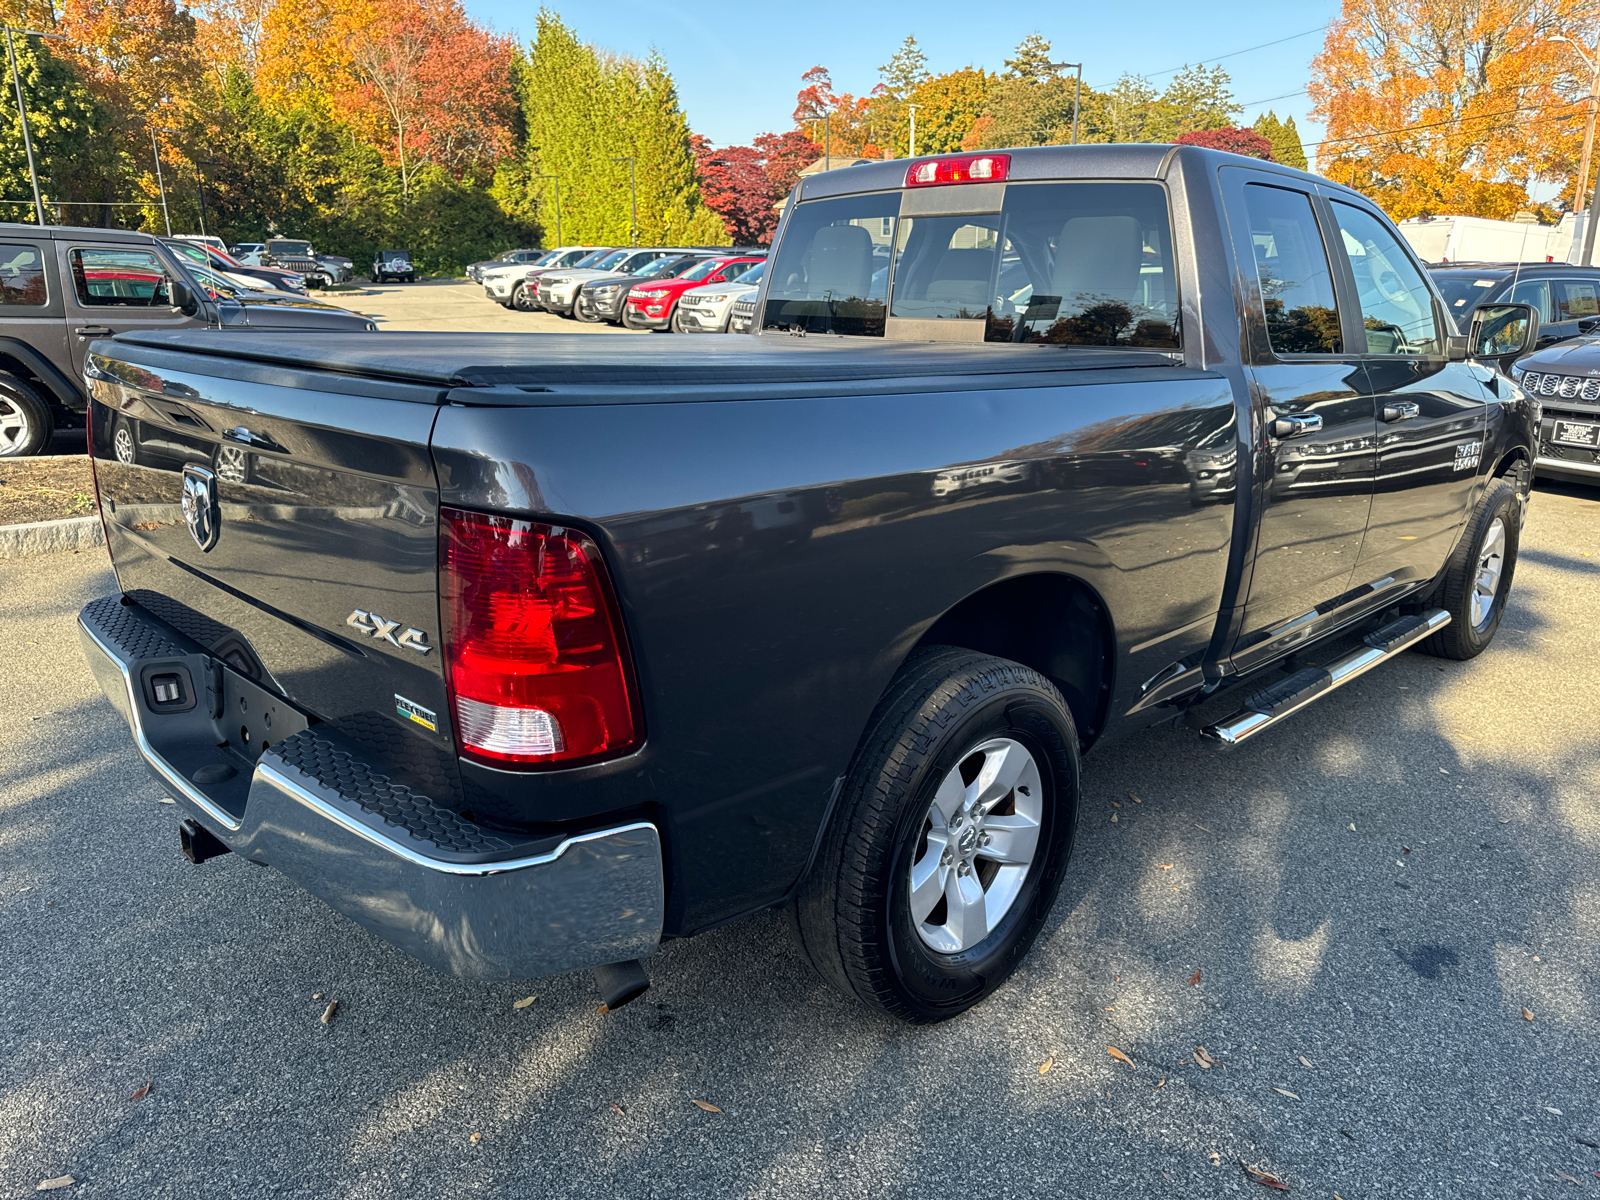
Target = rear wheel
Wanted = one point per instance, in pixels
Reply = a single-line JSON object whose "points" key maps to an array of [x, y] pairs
{"points": [[124, 446], [522, 299], [1478, 576], [950, 840], [25, 424]]}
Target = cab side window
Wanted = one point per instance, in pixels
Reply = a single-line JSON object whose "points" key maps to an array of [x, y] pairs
{"points": [[1537, 293], [1396, 304], [119, 278], [1297, 298], [21, 275], [1577, 299]]}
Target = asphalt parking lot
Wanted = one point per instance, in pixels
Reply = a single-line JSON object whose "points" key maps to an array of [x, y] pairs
{"points": [[1350, 914], [457, 305]]}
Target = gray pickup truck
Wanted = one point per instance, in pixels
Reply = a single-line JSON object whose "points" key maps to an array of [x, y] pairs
{"points": [[530, 651], [63, 286]]}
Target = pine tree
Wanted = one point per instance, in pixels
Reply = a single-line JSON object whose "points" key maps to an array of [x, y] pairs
{"points": [[1197, 98], [1032, 62], [1285, 139], [905, 71]]}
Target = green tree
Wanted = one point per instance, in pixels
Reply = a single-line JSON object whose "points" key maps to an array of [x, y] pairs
{"points": [[69, 127], [905, 71], [1127, 111], [1285, 139], [948, 108], [1197, 98], [1032, 62]]}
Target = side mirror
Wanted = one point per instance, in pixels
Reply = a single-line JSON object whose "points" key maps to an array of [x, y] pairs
{"points": [[1503, 331], [716, 279], [183, 297]]}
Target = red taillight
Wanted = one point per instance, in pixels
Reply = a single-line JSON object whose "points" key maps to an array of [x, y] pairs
{"points": [[538, 672], [968, 168]]}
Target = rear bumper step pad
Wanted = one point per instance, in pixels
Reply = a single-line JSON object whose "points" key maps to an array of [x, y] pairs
{"points": [[1288, 696]]}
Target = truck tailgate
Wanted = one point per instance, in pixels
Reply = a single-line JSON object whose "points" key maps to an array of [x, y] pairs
{"points": [[289, 530]]}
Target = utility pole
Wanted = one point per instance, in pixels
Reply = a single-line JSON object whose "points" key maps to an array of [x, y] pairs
{"points": [[160, 183], [633, 189], [1582, 183], [1077, 93], [912, 108], [827, 141], [22, 112]]}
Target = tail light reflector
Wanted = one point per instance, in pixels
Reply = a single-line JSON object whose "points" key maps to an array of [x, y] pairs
{"points": [[965, 168], [537, 666]]}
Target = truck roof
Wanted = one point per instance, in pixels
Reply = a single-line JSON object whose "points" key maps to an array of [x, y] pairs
{"points": [[536, 362]]}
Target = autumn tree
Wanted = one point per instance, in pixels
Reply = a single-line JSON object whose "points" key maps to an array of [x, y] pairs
{"points": [[786, 155], [1234, 140], [1283, 137], [839, 121], [948, 106], [1452, 105], [1031, 103]]}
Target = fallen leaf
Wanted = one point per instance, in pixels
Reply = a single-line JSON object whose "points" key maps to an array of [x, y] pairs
{"points": [[1305, 1062], [1405, 849], [1526, 1015], [1195, 978], [1282, 1092], [1202, 828], [168, 800], [1569, 1178], [1205, 1061], [476, 1138], [1114, 804], [316, 995], [327, 1013], [1159, 1086], [1165, 866], [1134, 798], [142, 1092], [524, 1002], [603, 1009], [1587, 1142], [1442, 771], [707, 1107], [1113, 818], [617, 1108], [60, 1181], [1120, 1056], [1265, 1180], [1352, 826], [1047, 1064], [1557, 1111]]}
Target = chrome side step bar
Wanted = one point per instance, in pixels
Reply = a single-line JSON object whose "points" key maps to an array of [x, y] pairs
{"points": [[1289, 695]]}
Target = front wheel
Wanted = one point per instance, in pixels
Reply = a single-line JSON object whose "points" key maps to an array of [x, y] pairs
{"points": [[587, 316], [951, 837], [522, 299], [676, 324], [25, 424], [1477, 578]]}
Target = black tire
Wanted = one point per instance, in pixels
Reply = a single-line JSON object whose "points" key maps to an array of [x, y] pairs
{"points": [[676, 322], [522, 300], [377, 279], [25, 421], [1465, 638], [853, 911], [586, 316], [411, 278]]}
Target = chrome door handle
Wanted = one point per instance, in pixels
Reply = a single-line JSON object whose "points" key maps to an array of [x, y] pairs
{"points": [[245, 437], [1402, 410], [1296, 425]]}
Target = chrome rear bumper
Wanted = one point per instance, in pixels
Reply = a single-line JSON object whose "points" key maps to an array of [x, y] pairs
{"points": [[461, 898]]}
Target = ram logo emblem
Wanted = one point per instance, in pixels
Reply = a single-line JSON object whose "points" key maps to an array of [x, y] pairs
{"points": [[383, 629]]}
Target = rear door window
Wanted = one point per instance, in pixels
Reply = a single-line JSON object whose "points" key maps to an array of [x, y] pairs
{"points": [[1576, 299], [22, 276], [119, 278], [1297, 297]]}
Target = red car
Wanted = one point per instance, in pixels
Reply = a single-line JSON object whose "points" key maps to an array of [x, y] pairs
{"points": [[654, 305]]}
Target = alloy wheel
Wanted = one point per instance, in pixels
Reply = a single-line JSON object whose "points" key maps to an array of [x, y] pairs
{"points": [[1491, 566], [977, 844], [122, 445], [14, 429]]}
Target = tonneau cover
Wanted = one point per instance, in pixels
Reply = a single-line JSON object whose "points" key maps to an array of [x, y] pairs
{"points": [[487, 360]]}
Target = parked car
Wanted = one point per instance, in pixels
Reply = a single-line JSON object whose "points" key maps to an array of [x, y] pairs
{"points": [[655, 305], [393, 264], [335, 270], [709, 307], [245, 251], [742, 315], [1566, 297], [268, 278], [202, 239], [604, 642], [502, 284], [601, 298], [63, 286], [525, 257], [558, 290], [1566, 380], [293, 254]]}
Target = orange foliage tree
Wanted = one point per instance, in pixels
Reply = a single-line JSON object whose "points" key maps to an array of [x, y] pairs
{"points": [[1452, 106]]}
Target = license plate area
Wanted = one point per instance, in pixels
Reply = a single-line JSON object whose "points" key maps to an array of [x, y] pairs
{"points": [[1576, 433], [252, 718]]}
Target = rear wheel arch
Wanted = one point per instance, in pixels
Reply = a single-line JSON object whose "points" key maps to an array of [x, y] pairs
{"points": [[1052, 622]]}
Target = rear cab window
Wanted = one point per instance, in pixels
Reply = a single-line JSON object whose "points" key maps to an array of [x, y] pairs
{"points": [[22, 276], [1085, 264]]}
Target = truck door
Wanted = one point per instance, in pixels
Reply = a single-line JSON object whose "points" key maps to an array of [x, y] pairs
{"points": [[30, 303], [1432, 413], [1314, 467], [114, 289]]}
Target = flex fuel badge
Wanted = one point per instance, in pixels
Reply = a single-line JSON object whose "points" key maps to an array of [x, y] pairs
{"points": [[414, 712]]}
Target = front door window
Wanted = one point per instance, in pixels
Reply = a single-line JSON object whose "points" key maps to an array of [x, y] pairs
{"points": [[1396, 303]]}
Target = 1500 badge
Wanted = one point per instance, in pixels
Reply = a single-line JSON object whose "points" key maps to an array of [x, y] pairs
{"points": [[383, 629]]}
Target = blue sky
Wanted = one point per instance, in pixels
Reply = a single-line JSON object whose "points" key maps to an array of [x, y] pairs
{"points": [[738, 66]]}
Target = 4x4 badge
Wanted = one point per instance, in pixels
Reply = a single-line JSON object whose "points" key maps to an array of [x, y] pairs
{"points": [[199, 503], [373, 625]]}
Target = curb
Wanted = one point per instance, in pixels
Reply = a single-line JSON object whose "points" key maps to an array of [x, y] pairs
{"points": [[50, 537]]}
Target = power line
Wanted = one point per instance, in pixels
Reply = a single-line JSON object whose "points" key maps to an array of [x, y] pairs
{"points": [[1367, 137], [1270, 99], [1246, 50]]}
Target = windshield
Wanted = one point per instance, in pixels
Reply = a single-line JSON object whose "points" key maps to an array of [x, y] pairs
{"points": [[297, 249], [611, 260], [665, 268], [701, 269], [548, 259], [754, 274], [215, 284], [191, 251], [1086, 264], [636, 262], [1463, 291], [591, 259]]}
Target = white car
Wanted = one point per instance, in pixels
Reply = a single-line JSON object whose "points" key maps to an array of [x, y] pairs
{"points": [[709, 308], [558, 290], [500, 282]]}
